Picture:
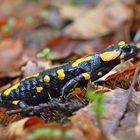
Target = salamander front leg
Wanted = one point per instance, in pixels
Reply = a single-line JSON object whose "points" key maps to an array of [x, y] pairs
{"points": [[20, 104], [70, 84]]}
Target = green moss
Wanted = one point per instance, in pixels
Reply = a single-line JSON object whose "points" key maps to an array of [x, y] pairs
{"points": [[97, 99], [57, 133], [29, 20], [68, 133], [44, 13], [46, 53]]}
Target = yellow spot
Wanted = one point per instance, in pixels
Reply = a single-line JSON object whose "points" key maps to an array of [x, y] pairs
{"points": [[7, 92], [61, 74], [86, 76], [121, 44], [35, 75], [100, 73], [122, 56], [78, 61], [39, 89], [15, 102], [108, 56], [46, 78]]}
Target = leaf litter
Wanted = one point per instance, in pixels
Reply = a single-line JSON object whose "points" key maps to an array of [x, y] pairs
{"points": [[89, 30]]}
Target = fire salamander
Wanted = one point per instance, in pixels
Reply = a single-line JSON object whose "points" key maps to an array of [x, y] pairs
{"points": [[58, 81]]}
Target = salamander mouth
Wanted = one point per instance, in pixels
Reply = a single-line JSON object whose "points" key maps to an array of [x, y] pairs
{"points": [[1, 102], [131, 55]]}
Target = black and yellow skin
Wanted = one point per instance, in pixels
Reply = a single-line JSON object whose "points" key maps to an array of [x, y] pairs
{"points": [[58, 81]]}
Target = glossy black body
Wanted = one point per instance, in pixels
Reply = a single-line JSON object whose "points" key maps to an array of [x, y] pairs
{"points": [[26, 91]]}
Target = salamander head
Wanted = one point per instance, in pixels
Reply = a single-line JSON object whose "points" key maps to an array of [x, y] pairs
{"points": [[128, 51], [119, 52], [111, 57]]}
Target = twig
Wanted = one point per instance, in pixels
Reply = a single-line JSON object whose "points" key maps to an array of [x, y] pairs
{"points": [[136, 75], [53, 105], [132, 94]]}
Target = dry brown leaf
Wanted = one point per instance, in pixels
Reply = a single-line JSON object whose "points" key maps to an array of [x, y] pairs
{"points": [[83, 125], [115, 104], [6, 119], [69, 12], [137, 128], [134, 103], [3, 20], [100, 20], [128, 100], [64, 47], [121, 78], [10, 54], [129, 120], [13, 48], [21, 129], [2, 133], [132, 131], [18, 129]]}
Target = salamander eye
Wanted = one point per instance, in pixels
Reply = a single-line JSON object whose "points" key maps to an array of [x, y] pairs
{"points": [[127, 48]]}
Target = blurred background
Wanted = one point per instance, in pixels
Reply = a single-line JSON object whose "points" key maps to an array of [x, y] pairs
{"points": [[39, 34]]}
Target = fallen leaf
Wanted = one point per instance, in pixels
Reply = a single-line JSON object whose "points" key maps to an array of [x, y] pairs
{"points": [[84, 125], [6, 119], [10, 54], [133, 131], [35, 127], [3, 20], [129, 120], [33, 121], [64, 47], [69, 12], [2, 133], [18, 129], [107, 20], [121, 79], [115, 105]]}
